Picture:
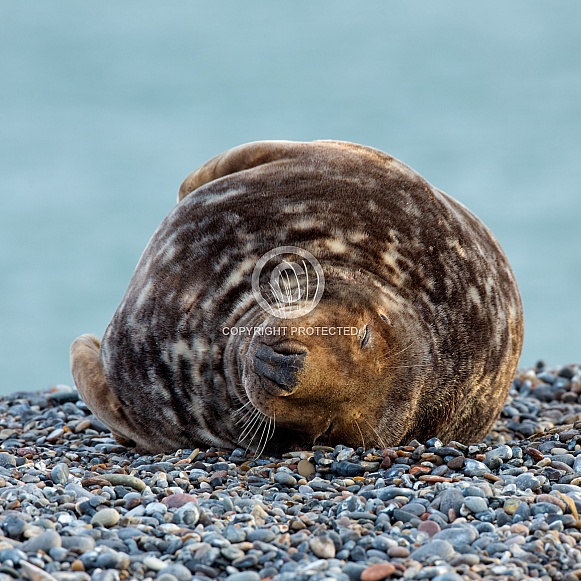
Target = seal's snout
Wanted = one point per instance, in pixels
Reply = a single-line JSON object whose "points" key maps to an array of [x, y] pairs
{"points": [[280, 363]]}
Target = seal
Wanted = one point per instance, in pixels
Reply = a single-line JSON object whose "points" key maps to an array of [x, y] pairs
{"points": [[307, 293]]}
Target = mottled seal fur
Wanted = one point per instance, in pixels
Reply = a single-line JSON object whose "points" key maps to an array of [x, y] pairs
{"points": [[432, 304]]}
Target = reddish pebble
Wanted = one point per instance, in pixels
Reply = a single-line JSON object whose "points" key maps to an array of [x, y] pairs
{"points": [[552, 499], [534, 453], [178, 500], [377, 572], [429, 526], [456, 463], [419, 469], [398, 552]]}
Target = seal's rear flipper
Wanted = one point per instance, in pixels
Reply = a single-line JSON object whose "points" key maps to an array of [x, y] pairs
{"points": [[238, 159], [92, 385]]}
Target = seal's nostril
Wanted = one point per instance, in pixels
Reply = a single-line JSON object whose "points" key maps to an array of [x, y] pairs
{"points": [[280, 367]]}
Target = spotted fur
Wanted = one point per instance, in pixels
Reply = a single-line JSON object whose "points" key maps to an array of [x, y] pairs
{"points": [[391, 245]]}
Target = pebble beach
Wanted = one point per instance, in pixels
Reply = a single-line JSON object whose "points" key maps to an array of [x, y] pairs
{"points": [[76, 506]]}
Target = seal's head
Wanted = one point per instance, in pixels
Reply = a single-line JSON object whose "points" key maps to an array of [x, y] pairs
{"points": [[328, 376]]}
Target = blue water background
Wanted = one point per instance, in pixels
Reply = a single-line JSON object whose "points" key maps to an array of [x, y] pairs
{"points": [[105, 108]]}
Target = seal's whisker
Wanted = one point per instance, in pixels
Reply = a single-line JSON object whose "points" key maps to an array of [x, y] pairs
{"points": [[243, 419], [250, 425], [242, 409], [380, 439], [408, 366], [261, 421], [264, 436], [360, 433], [391, 354]]}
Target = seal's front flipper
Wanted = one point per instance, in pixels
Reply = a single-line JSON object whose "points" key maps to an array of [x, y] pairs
{"points": [[92, 385]]}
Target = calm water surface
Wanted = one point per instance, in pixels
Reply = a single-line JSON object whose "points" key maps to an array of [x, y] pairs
{"points": [[105, 108]]}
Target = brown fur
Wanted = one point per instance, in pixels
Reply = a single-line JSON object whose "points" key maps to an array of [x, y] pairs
{"points": [[400, 257]]}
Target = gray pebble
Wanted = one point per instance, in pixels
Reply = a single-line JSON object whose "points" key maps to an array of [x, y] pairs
{"points": [[526, 480], [264, 535], [449, 576], [106, 517], [285, 478], [179, 571], [451, 498], [60, 473], [244, 576], [43, 542], [7, 460], [322, 547], [439, 548], [475, 467], [475, 504], [457, 535]]}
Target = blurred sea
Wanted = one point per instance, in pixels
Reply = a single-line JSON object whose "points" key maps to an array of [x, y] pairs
{"points": [[105, 108]]}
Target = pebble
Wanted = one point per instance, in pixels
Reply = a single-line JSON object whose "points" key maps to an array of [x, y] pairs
{"points": [[438, 548], [75, 505], [60, 473], [107, 517], [377, 572], [322, 547]]}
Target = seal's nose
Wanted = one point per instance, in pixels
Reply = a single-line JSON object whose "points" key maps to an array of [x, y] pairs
{"points": [[280, 363]]}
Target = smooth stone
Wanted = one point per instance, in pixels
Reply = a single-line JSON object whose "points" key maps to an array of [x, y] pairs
{"points": [[155, 507], [429, 527], [60, 473], [451, 498], [34, 573], [166, 577], [398, 552], [475, 504], [503, 453], [263, 535], [125, 480], [106, 517], [7, 460], [244, 576], [353, 570], [322, 547], [511, 504], [475, 467], [464, 534], [305, 468], [71, 576], [234, 534], [285, 478], [178, 500], [177, 570], [43, 542], [377, 572], [154, 563], [13, 526], [82, 543], [526, 480], [439, 548], [448, 576], [188, 514], [113, 560], [577, 464]]}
